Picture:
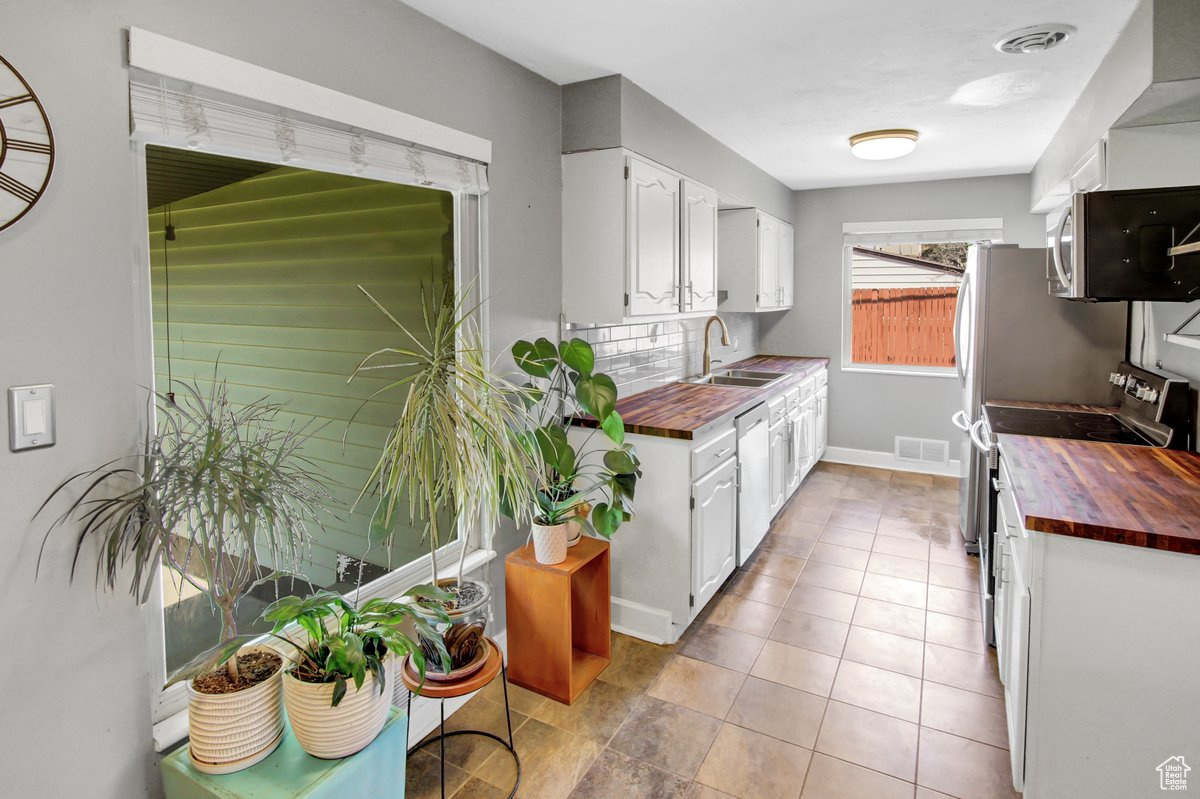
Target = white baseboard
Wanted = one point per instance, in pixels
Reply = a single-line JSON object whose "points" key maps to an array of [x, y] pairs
{"points": [[642, 621], [888, 460], [424, 718]]}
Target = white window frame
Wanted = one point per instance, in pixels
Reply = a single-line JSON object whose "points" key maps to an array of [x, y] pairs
{"points": [[169, 706], [928, 231]]}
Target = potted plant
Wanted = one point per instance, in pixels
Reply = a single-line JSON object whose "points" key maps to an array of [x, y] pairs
{"points": [[346, 646], [584, 485], [217, 493], [451, 460]]}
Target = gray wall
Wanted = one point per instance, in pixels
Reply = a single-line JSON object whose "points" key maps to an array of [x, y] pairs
{"points": [[868, 410], [77, 721], [615, 112]]}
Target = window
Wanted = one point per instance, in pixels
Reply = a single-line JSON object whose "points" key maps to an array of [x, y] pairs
{"points": [[257, 283], [902, 299], [900, 290]]}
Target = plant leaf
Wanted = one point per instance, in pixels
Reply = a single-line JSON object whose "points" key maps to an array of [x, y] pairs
{"points": [[597, 394], [339, 690], [556, 450], [577, 354], [538, 359], [209, 659], [614, 427], [620, 461]]}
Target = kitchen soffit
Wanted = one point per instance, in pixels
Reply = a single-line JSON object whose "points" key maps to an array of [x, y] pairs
{"points": [[784, 83]]}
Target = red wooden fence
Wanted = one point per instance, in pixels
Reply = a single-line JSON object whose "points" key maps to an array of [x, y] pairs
{"points": [[904, 326]]}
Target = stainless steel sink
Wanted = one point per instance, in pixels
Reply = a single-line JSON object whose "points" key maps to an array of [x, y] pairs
{"points": [[751, 374], [737, 377]]}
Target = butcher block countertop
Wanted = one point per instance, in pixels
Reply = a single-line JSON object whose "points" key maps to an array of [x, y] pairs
{"points": [[1140, 496], [680, 410]]}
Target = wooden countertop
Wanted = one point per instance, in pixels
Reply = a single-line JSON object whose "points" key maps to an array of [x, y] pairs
{"points": [[1140, 496], [679, 410]]}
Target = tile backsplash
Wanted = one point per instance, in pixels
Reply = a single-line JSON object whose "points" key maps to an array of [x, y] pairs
{"points": [[644, 355]]}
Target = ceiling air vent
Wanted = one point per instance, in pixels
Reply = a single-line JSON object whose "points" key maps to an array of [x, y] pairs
{"points": [[1035, 39]]}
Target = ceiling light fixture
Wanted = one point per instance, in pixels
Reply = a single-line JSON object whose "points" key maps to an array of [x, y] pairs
{"points": [[880, 145]]}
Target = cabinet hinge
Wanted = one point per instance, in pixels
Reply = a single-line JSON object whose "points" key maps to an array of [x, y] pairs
{"points": [[692, 503], [627, 300], [627, 173], [691, 600]]}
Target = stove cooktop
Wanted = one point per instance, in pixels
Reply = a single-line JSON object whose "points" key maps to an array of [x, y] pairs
{"points": [[1048, 423]]}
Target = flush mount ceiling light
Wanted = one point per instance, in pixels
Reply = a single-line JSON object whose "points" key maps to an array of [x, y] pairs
{"points": [[880, 145], [1034, 39]]}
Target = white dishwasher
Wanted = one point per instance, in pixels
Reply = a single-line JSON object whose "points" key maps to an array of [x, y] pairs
{"points": [[754, 500]]}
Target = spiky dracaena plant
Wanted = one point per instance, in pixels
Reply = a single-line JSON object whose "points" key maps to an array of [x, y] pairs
{"points": [[452, 457], [220, 493]]}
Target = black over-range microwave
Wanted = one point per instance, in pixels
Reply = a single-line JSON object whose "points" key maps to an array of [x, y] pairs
{"points": [[1141, 244]]}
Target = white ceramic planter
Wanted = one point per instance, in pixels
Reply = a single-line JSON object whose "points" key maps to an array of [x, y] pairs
{"points": [[333, 732], [230, 732], [550, 543]]}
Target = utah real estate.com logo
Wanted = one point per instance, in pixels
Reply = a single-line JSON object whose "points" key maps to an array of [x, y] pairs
{"points": [[1172, 774]]}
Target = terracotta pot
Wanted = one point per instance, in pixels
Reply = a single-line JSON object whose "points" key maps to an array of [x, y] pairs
{"points": [[230, 732], [550, 543], [332, 732]]}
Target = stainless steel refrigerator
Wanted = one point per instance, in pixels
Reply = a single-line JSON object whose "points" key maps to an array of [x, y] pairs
{"points": [[1014, 341]]}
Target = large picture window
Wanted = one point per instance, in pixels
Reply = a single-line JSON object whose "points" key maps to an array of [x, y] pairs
{"points": [[255, 275]]}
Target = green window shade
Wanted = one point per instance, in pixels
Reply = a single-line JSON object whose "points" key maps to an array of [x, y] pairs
{"points": [[263, 277]]}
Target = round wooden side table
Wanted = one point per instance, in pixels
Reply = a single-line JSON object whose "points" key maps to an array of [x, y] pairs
{"points": [[449, 690]]}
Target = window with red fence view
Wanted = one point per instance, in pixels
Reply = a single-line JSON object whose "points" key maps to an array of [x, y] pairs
{"points": [[902, 303]]}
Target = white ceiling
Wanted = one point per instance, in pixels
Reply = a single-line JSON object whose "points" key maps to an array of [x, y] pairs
{"points": [[785, 82]]}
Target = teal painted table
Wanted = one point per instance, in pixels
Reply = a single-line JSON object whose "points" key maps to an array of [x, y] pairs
{"points": [[374, 773]]}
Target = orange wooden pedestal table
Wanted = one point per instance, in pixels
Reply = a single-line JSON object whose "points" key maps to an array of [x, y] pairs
{"points": [[558, 619]]}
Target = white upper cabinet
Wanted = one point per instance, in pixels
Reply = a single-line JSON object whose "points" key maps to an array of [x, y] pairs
{"points": [[653, 207], [755, 260], [699, 247], [639, 240]]}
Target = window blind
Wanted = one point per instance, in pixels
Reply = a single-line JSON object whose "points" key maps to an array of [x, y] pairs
{"points": [[923, 231], [171, 113]]}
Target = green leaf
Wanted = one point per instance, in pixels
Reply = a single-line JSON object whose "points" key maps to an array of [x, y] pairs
{"points": [[624, 485], [209, 659], [614, 426], [339, 690], [606, 519], [621, 461], [537, 359], [597, 394], [577, 354], [556, 449]]}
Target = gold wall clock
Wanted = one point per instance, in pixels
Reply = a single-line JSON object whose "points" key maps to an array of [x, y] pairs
{"points": [[26, 146]]}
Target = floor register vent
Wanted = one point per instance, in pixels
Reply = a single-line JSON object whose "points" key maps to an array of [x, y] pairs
{"points": [[922, 450]]}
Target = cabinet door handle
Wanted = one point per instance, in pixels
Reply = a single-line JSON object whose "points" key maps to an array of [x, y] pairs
{"points": [[723, 452]]}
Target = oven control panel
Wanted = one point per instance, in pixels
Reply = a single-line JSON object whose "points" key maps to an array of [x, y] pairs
{"points": [[1156, 403]]}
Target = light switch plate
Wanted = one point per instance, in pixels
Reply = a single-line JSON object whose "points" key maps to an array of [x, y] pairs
{"points": [[30, 416]]}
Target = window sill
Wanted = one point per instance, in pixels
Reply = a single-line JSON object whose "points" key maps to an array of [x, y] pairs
{"points": [[886, 370], [173, 729]]}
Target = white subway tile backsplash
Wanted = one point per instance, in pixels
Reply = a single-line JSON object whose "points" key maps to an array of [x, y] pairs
{"points": [[644, 355]]}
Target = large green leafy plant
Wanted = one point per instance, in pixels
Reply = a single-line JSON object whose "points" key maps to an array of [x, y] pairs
{"points": [[571, 479], [451, 459], [220, 493], [343, 643]]}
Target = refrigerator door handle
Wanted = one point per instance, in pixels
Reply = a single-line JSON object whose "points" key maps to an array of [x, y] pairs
{"points": [[1056, 251], [958, 308], [960, 421], [976, 433]]}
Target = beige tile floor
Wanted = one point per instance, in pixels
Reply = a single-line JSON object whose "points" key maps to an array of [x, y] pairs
{"points": [[845, 661]]}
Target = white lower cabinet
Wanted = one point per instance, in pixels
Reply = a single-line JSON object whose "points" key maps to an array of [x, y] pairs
{"points": [[714, 516], [1097, 649], [821, 422], [671, 559]]}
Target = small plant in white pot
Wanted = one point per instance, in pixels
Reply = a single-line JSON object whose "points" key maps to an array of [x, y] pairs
{"points": [[336, 694], [574, 486], [452, 459], [216, 494]]}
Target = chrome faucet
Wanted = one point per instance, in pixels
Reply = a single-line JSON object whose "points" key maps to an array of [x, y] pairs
{"points": [[724, 340]]}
